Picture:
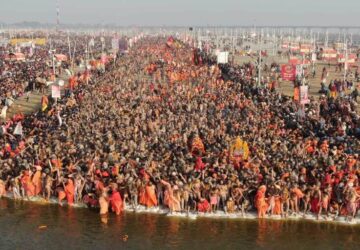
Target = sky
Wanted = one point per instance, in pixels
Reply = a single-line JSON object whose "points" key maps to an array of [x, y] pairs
{"points": [[185, 12]]}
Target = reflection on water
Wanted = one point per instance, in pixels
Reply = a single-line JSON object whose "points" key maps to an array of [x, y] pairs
{"points": [[83, 229]]}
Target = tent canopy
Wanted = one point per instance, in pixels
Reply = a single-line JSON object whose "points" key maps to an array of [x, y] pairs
{"points": [[61, 57], [17, 56]]}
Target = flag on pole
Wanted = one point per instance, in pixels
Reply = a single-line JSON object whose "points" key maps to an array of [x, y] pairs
{"points": [[3, 112], [59, 118], [18, 129], [44, 103], [55, 91]]}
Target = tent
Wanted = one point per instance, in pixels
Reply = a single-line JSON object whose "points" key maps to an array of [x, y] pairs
{"points": [[305, 48], [61, 57], [294, 47], [16, 56], [329, 54], [285, 46], [293, 60], [351, 58], [223, 57]]}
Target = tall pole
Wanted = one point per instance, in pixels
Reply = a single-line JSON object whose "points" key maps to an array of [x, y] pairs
{"points": [[57, 15], [86, 64], [346, 61], [53, 63], [70, 57], [259, 68], [327, 39], [52, 54]]}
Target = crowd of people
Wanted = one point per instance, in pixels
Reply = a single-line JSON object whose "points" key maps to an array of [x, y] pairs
{"points": [[32, 71], [167, 126], [343, 88], [17, 77]]}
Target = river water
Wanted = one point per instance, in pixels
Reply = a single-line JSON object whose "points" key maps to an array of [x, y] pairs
{"points": [[79, 228]]}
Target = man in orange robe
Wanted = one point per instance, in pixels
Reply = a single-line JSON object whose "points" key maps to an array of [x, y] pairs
{"points": [[116, 201], [260, 201], [150, 196], [36, 180], [27, 184], [70, 191]]}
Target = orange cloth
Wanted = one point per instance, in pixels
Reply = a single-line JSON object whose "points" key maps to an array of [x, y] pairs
{"points": [[44, 103], [298, 192], [28, 185], [197, 144], [2, 189], [142, 196], [116, 202], [169, 199], [72, 83], [57, 163], [150, 196], [296, 94], [36, 180], [61, 195], [260, 201], [277, 206], [70, 191]]}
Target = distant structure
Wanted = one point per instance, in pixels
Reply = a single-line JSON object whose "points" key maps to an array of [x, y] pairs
{"points": [[57, 15]]}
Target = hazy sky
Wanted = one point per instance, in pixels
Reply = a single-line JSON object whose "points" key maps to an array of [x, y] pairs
{"points": [[185, 12]]}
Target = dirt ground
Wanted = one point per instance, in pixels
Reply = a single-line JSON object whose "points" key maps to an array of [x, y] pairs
{"points": [[286, 87]]}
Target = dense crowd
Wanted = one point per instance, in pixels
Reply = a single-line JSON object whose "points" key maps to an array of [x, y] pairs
{"points": [[19, 76], [167, 126]]}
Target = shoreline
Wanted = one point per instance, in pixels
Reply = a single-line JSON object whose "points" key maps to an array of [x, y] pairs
{"points": [[340, 220]]}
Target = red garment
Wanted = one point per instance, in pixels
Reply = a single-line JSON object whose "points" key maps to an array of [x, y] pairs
{"points": [[90, 201], [338, 176], [116, 202], [72, 82], [204, 206], [199, 165], [315, 205], [152, 87], [327, 180]]}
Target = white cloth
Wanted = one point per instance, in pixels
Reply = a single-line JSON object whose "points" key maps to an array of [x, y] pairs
{"points": [[59, 118], [18, 129], [3, 112]]}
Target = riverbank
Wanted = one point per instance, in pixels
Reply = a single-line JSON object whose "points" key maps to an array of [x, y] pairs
{"points": [[195, 215], [30, 104]]}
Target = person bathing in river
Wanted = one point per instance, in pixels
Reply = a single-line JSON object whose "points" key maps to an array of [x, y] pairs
{"points": [[116, 202]]}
